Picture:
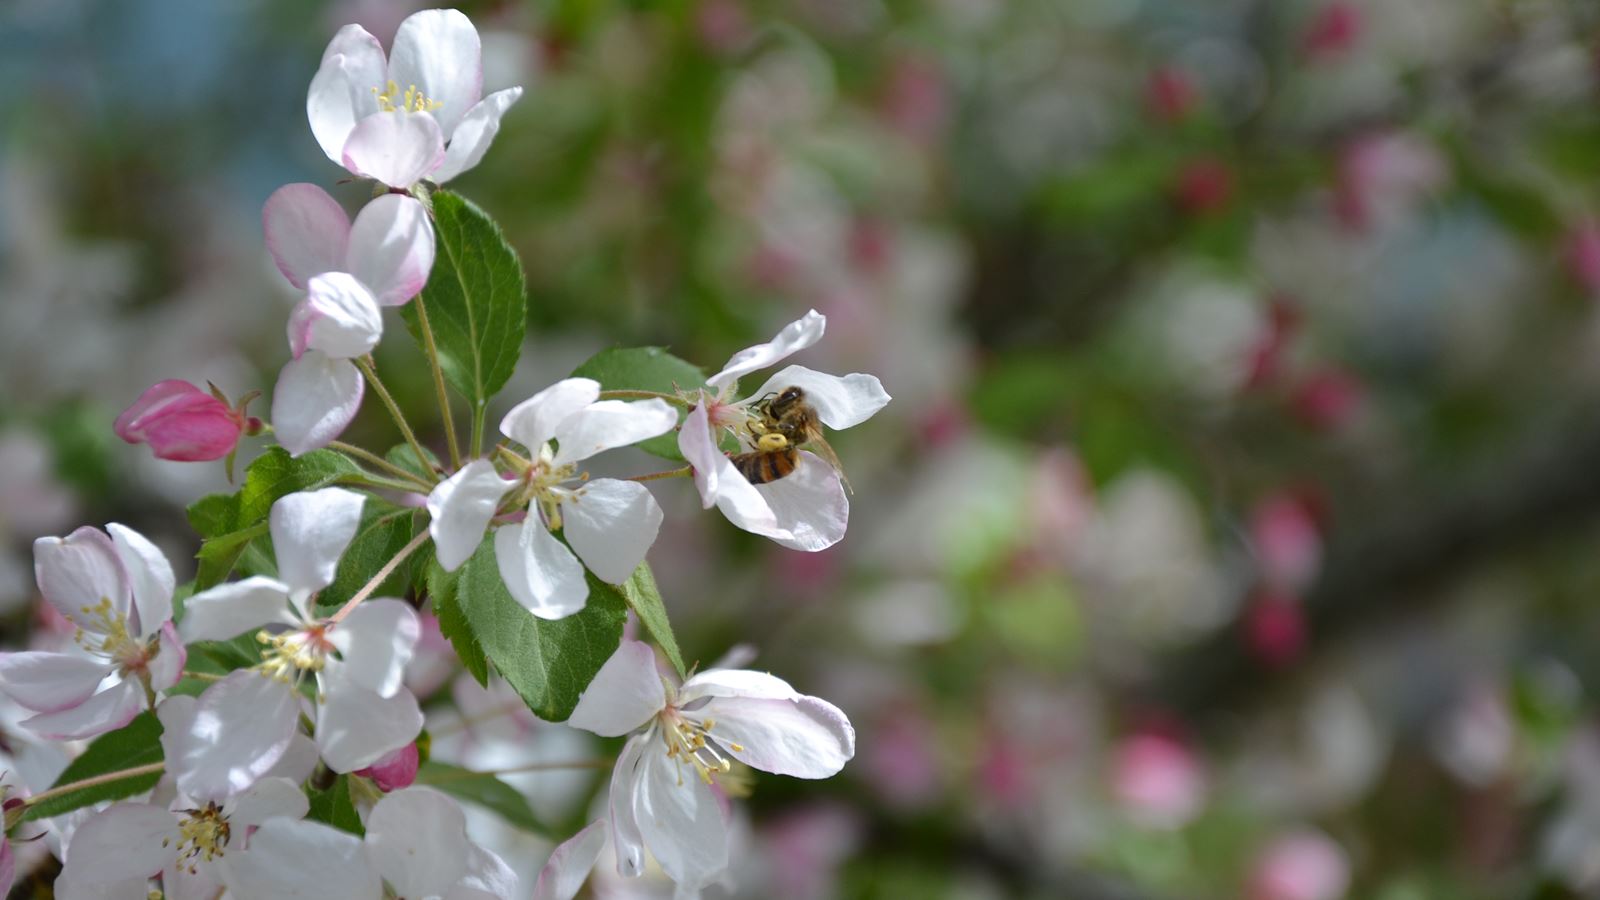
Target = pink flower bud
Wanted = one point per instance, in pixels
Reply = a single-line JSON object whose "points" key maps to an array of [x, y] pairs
{"points": [[1302, 865], [1158, 781], [1170, 95], [180, 422], [1275, 629], [395, 771], [1287, 540], [1328, 399]]}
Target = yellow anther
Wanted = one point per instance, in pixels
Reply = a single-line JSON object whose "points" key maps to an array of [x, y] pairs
{"points": [[412, 100]]}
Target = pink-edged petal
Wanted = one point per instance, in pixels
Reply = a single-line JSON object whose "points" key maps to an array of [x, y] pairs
{"points": [[8, 868], [610, 423], [391, 248], [106, 711], [342, 91], [241, 727], [310, 531], [122, 842], [539, 572], [356, 727], [266, 799], [802, 738], [840, 401], [316, 397], [626, 841], [49, 682], [149, 576], [488, 878], [438, 51], [292, 859], [397, 149], [166, 667], [810, 505], [623, 695], [417, 840], [611, 525], [471, 138], [570, 863], [681, 821], [461, 507], [534, 420], [376, 642], [796, 336], [306, 229], [231, 609], [339, 318], [698, 444], [79, 571]]}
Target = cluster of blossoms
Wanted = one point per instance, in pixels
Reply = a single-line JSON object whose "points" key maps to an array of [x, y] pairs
{"points": [[317, 690]]}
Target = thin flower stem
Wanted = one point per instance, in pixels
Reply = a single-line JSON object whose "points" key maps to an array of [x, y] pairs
{"points": [[104, 778], [674, 399], [367, 479], [374, 459], [432, 350], [684, 472], [394, 411], [477, 429], [383, 573], [203, 676], [600, 763]]}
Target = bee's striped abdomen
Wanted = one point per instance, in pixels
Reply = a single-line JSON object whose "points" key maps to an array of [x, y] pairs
{"points": [[759, 467]]}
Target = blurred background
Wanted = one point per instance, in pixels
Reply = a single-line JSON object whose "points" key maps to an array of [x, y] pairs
{"points": [[1233, 531]]}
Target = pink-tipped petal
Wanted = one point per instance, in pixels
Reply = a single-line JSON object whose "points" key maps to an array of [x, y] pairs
{"points": [[316, 397], [391, 248], [307, 231], [149, 575], [106, 711], [180, 422], [78, 572], [398, 149], [344, 90], [472, 136], [50, 682], [339, 318]]}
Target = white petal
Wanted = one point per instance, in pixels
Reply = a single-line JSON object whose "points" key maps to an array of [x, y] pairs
{"points": [[438, 51], [106, 711], [231, 609], [796, 336], [417, 840], [461, 507], [122, 842], [316, 397], [47, 682], [570, 864], [610, 423], [626, 841], [840, 401], [810, 505], [297, 762], [745, 683], [392, 248], [310, 531], [292, 859], [803, 738], [534, 420], [611, 525], [68, 887], [241, 727], [376, 642], [266, 799], [719, 483], [166, 667], [472, 135], [539, 572], [338, 317], [149, 575], [623, 695], [342, 92], [79, 571], [178, 883], [306, 229], [488, 878], [681, 821], [356, 727], [398, 149]]}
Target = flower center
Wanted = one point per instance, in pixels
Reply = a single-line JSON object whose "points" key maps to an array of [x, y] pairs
{"points": [[202, 834], [288, 656], [108, 636], [391, 100], [687, 744]]}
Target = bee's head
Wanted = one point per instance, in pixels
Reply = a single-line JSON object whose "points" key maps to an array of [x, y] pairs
{"points": [[787, 398]]}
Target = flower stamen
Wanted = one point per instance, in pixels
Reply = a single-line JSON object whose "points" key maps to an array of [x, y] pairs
{"points": [[412, 100], [202, 834]]}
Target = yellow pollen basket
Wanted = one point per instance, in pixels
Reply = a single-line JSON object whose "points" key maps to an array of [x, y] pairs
{"points": [[686, 743], [286, 656], [391, 100], [202, 834]]}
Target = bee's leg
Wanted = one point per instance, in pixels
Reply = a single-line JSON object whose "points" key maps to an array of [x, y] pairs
{"points": [[772, 441]]}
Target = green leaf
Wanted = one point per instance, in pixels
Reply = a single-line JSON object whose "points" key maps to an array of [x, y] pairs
{"points": [[644, 369], [403, 456], [475, 300], [334, 807], [136, 744], [442, 587], [483, 789], [642, 594], [384, 531], [548, 663]]}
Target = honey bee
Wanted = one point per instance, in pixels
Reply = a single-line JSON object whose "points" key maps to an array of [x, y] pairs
{"points": [[787, 423]]}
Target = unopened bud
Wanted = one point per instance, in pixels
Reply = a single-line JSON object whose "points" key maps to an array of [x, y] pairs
{"points": [[180, 422], [395, 771]]}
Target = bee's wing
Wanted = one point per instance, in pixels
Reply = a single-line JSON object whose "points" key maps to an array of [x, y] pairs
{"points": [[818, 445]]}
